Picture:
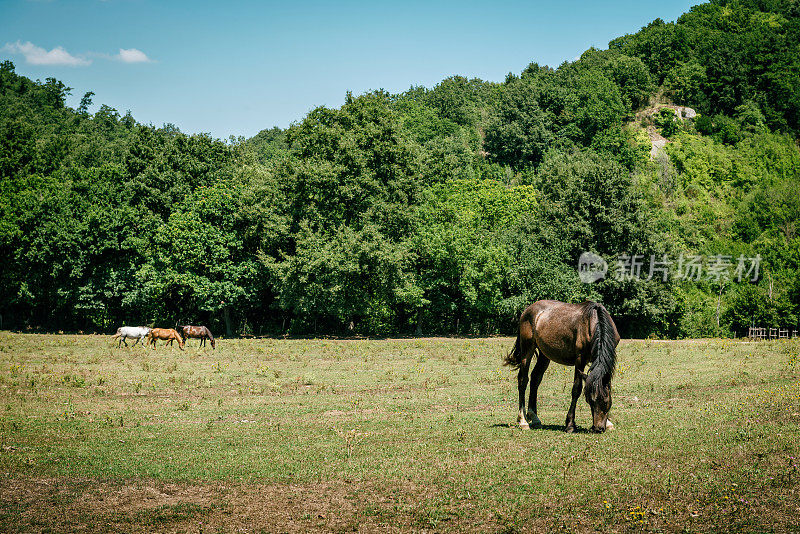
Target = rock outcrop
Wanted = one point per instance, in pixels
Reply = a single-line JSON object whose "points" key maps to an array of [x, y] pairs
{"points": [[657, 140]]}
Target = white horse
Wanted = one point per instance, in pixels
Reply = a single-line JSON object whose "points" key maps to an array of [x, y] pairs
{"points": [[135, 332]]}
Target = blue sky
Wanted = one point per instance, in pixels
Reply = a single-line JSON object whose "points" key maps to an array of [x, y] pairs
{"points": [[237, 67]]}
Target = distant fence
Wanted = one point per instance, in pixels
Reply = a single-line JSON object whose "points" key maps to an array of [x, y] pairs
{"points": [[757, 332]]}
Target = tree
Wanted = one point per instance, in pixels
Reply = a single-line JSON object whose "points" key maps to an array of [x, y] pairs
{"points": [[590, 204], [86, 101], [461, 257], [351, 167], [198, 260], [345, 280]]}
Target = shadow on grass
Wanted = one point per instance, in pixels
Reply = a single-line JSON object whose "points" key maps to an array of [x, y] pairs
{"points": [[551, 428]]}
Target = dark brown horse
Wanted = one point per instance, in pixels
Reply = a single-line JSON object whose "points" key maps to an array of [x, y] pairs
{"points": [[167, 334], [198, 332], [569, 334]]}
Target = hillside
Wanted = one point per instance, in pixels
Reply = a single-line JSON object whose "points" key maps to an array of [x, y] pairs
{"points": [[439, 210]]}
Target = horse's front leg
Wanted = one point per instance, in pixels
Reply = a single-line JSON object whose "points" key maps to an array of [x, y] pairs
{"points": [[536, 378], [577, 387]]}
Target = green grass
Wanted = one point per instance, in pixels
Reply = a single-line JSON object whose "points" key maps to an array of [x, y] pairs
{"points": [[417, 434]]}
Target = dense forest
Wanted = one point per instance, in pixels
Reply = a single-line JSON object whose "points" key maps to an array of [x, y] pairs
{"points": [[441, 210]]}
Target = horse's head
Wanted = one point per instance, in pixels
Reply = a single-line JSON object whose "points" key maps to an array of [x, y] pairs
{"points": [[598, 395], [213, 343]]}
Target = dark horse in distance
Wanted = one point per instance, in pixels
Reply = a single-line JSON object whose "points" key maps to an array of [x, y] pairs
{"points": [[569, 334], [198, 332]]}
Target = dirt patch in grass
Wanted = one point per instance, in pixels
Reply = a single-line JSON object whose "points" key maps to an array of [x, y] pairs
{"points": [[75, 505], [92, 505]]}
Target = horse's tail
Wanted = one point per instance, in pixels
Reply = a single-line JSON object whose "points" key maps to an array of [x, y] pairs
{"points": [[514, 358], [603, 347]]}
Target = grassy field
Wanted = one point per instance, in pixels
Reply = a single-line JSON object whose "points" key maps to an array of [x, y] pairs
{"points": [[266, 435]]}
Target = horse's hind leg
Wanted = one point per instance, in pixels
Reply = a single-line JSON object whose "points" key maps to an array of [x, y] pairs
{"points": [[536, 378], [522, 385], [528, 351], [577, 386]]}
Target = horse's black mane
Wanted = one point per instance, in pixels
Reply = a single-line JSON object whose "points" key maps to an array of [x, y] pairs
{"points": [[604, 353]]}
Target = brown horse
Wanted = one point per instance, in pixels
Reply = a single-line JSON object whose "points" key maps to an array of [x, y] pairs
{"points": [[569, 334], [198, 332], [167, 334]]}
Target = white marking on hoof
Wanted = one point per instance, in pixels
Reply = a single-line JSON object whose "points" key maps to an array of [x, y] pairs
{"points": [[522, 420], [609, 424]]}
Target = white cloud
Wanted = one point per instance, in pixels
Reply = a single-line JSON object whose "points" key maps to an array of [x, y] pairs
{"points": [[36, 55], [132, 55]]}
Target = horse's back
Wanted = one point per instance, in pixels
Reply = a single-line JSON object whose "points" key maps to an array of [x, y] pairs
{"points": [[196, 331], [159, 333], [553, 315], [164, 333], [132, 331], [560, 330]]}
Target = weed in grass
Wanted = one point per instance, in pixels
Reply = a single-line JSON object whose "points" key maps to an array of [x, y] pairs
{"points": [[351, 439]]}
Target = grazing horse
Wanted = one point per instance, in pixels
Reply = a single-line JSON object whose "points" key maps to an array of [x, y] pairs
{"points": [[167, 334], [569, 334], [198, 332], [135, 332]]}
